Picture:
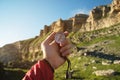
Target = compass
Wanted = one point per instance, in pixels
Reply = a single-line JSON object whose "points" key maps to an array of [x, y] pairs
{"points": [[59, 37]]}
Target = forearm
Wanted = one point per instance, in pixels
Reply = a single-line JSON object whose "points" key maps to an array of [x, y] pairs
{"points": [[40, 71]]}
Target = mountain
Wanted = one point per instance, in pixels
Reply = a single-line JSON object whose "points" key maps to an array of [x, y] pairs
{"points": [[103, 21]]}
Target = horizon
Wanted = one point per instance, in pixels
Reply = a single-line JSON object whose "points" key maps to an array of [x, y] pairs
{"points": [[23, 19]]}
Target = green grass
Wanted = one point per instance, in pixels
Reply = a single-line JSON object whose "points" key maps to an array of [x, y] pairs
{"points": [[117, 41], [84, 38], [78, 62], [100, 39], [78, 65], [85, 72]]}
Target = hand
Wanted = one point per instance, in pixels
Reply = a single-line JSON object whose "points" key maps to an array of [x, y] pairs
{"points": [[52, 51]]}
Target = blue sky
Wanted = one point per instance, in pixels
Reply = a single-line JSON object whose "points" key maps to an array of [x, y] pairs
{"points": [[23, 19]]}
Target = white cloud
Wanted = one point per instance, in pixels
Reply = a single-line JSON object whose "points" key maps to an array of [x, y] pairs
{"points": [[80, 11]]}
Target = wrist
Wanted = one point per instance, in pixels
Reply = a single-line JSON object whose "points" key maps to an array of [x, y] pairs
{"points": [[50, 62], [46, 61], [55, 62]]}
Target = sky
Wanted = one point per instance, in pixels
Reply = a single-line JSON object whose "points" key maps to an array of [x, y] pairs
{"points": [[23, 19]]}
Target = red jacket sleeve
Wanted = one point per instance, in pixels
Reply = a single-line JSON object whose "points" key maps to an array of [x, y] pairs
{"points": [[40, 71]]}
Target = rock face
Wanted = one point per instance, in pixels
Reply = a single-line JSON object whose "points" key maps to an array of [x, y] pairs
{"points": [[78, 20], [115, 6], [10, 52], [45, 31], [103, 16], [100, 17]]}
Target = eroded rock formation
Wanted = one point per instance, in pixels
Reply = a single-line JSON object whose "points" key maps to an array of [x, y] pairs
{"points": [[100, 17]]}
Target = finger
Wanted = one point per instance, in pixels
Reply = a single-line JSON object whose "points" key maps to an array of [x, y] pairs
{"points": [[65, 42], [65, 48], [50, 38], [66, 33], [66, 53]]}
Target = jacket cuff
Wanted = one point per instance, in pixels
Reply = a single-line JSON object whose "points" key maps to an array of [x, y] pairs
{"points": [[49, 65]]}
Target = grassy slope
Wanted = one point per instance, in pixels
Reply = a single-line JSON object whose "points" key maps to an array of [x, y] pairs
{"points": [[85, 72], [82, 72], [33, 42]]}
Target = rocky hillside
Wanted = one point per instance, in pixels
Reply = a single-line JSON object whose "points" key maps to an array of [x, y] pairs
{"points": [[102, 21]]}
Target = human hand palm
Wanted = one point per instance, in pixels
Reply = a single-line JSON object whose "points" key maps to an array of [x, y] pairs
{"points": [[51, 52]]}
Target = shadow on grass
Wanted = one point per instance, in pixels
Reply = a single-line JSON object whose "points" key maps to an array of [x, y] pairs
{"points": [[13, 75], [103, 55], [117, 73], [75, 77]]}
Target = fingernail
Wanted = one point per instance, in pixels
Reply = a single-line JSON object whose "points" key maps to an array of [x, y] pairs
{"points": [[61, 44]]}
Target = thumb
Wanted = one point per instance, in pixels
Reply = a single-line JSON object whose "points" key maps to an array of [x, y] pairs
{"points": [[50, 38]]}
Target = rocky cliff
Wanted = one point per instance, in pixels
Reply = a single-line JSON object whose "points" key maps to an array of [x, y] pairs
{"points": [[100, 17]]}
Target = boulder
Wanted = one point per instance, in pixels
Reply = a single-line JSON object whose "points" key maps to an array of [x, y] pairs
{"points": [[94, 67], [106, 62], [108, 72], [116, 62]]}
